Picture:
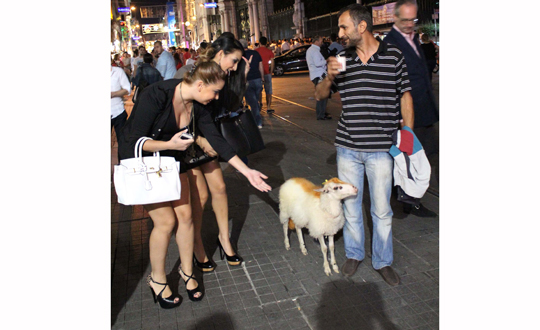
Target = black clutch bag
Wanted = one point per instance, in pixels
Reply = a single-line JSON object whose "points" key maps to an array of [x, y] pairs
{"points": [[194, 156], [242, 133]]}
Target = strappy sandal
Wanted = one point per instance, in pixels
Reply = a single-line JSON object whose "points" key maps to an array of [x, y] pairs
{"points": [[191, 293], [165, 303]]}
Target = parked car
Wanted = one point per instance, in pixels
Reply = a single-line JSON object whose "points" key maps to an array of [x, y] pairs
{"points": [[293, 60]]}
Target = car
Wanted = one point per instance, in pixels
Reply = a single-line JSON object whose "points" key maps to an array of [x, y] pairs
{"points": [[293, 60]]}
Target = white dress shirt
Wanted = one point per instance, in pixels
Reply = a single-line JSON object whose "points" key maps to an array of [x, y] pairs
{"points": [[119, 81], [316, 62]]}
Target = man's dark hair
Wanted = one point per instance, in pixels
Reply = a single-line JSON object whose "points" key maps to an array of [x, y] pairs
{"points": [[135, 52], [333, 36], [403, 2], [148, 58], [358, 14], [203, 45], [263, 41], [157, 42]]}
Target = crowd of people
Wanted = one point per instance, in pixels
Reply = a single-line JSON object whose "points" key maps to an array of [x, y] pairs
{"points": [[190, 96]]}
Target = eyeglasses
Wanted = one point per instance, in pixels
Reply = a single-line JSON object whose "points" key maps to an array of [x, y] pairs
{"points": [[409, 20]]}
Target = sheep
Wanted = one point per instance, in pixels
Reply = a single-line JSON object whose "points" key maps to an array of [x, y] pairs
{"points": [[302, 204]]}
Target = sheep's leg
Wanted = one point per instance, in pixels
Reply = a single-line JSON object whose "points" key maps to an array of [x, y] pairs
{"points": [[332, 256], [286, 233], [301, 240], [324, 250]]}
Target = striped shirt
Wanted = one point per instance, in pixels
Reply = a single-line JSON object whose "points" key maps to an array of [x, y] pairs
{"points": [[370, 94]]}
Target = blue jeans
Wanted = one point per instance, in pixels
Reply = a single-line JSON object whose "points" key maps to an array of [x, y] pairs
{"points": [[253, 90], [321, 108], [378, 167]]}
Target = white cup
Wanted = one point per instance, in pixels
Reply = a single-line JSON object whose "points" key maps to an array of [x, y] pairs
{"points": [[342, 62]]}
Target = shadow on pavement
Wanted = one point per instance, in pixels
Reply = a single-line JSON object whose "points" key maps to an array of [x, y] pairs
{"points": [[358, 308]]}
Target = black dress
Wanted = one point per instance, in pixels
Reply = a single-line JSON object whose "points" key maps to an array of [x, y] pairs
{"points": [[153, 116]]}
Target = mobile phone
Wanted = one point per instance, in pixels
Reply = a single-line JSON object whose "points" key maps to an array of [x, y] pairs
{"points": [[186, 136]]}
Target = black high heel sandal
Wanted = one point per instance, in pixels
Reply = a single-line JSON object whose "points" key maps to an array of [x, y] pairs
{"points": [[165, 303], [204, 266], [191, 293], [234, 260]]}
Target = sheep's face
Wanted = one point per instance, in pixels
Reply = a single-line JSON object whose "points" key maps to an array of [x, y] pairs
{"points": [[338, 189]]}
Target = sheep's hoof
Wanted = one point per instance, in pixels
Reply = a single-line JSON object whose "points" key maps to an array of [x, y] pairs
{"points": [[327, 271], [287, 247], [304, 251], [336, 268]]}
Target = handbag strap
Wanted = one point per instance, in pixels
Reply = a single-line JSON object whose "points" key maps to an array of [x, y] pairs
{"points": [[139, 147]]}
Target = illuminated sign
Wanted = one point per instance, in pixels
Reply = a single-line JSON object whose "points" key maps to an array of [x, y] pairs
{"points": [[124, 10], [152, 28], [383, 14], [210, 5]]}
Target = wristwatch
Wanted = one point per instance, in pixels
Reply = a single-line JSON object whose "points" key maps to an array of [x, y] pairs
{"points": [[321, 78]]}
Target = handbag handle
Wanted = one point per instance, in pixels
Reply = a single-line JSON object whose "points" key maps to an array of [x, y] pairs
{"points": [[139, 147]]}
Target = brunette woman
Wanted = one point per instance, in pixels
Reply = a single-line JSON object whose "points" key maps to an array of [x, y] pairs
{"points": [[228, 54]]}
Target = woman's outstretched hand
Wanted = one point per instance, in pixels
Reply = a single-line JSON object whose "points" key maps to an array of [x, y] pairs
{"points": [[256, 179]]}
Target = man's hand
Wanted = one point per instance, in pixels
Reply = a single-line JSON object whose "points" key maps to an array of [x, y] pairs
{"points": [[248, 63], [333, 67]]}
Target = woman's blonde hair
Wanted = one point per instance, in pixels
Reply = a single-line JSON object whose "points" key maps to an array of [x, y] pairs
{"points": [[208, 72]]}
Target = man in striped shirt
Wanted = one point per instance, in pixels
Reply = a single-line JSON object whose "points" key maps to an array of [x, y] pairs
{"points": [[374, 91]]}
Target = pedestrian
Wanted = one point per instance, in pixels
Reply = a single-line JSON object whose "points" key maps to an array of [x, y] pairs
{"points": [[278, 50], [228, 53], [137, 61], [177, 61], [117, 61], [317, 67], [165, 63], [187, 55], [268, 66], [126, 64], [335, 47], [254, 80], [148, 71], [133, 60], [426, 113], [165, 111], [374, 71], [285, 46], [120, 87]]}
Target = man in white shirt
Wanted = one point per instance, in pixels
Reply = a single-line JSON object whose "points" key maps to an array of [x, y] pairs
{"points": [[136, 61], [335, 47], [317, 66], [120, 86], [165, 63], [285, 46]]}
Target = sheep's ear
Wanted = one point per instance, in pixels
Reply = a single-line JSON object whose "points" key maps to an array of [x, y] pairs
{"points": [[319, 190]]}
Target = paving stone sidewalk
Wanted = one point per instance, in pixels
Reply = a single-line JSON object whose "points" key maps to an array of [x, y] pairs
{"points": [[275, 288]]}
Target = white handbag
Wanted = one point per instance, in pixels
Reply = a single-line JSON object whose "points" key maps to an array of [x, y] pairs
{"points": [[146, 180]]}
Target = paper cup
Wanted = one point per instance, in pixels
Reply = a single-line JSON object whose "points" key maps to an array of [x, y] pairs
{"points": [[343, 62]]}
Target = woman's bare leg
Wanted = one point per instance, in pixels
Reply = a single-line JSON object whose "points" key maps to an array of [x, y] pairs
{"points": [[164, 219], [216, 184], [199, 197], [185, 231]]}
